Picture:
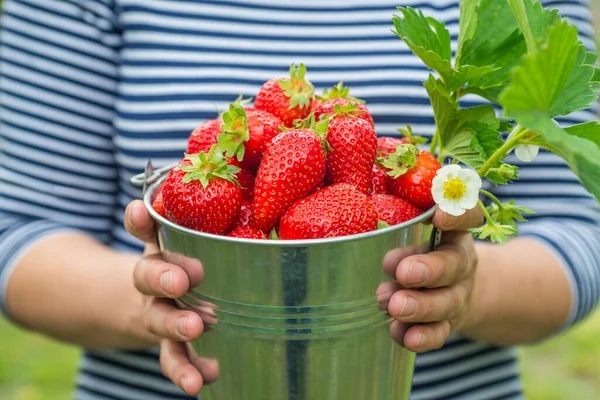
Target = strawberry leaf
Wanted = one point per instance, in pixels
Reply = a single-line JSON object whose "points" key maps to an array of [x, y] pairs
{"points": [[299, 90], [234, 132], [555, 80], [588, 130], [412, 138], [403, 159], [427, 38], [338, 91], [209, 166], [444, 109], [508, 213], [582, 155]]}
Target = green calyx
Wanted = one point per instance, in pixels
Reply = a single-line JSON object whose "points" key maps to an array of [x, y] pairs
{"points": [[399, 162], [413, 139], [382, 224], [209, 166], [338, 91], [273, 235], [234, 132], [349, 110], [319, 128], [297, 88]]}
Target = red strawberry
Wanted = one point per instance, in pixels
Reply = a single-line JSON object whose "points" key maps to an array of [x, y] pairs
{"points": [[379, 180], [246, 180], [204, 136], [393, 210], [337, 210], [292, 168], [353, 144], [412, 173], [246, 134], [157, 204], [287, 98], [340, 94], [201, 193], [387, 145], [247, 232], [245, 214]]}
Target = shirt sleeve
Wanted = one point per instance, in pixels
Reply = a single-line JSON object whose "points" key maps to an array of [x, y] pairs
{"points": [[567, 219], [58, 73]]}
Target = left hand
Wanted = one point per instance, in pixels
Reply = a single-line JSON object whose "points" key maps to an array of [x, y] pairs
{"points": [[445, 279]]}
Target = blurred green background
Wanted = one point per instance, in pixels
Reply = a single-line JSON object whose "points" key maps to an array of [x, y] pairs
{"points": [[33, 367]]}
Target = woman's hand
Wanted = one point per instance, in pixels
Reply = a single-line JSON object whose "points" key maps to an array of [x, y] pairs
{"points": [[435, 289], [160, 281]]}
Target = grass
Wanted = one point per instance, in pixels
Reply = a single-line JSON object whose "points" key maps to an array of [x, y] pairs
{"points": [[33, 367]]}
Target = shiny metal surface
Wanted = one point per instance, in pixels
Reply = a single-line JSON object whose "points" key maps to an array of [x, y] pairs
{"points": [[297, 320]]}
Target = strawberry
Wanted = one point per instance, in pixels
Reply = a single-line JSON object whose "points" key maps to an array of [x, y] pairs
{"points": [[393, 210], [339, 94], [412, 173], [245, 134], [245, 215], [353, 145], [337, 210], [247, 232], [204, 136], [157, 204], [293, 166], [201, 193], [246, 180], [287, 98], [379, 180]]}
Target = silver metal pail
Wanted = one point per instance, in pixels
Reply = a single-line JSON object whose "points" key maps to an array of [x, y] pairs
{"points": [[297, 320]]}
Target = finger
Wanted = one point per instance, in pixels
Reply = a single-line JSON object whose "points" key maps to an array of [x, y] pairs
{"points": [[209, 368], [393, 257], [191, 266], [163, 319], [426, 337], [446, 266], [154, 277], [427, 305], [470, 219], [176, 366], [398, 330], [138, 222]]}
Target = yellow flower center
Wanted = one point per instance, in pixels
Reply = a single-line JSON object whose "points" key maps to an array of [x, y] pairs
{"points": [[454, 189]]}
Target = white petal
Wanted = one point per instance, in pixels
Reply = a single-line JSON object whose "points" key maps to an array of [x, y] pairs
{"points": [[526, 152], [470, 178], [451, 207], [469, 200], [448, 170], [438, 193]]}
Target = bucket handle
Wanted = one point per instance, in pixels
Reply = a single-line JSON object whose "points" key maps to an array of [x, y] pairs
{"points": [[150, 175]]}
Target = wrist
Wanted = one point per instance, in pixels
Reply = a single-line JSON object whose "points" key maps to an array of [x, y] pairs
{"points": [[480, 307]]}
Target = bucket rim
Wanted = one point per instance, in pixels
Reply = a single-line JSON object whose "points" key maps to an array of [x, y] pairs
{"points": [[423, 218]]}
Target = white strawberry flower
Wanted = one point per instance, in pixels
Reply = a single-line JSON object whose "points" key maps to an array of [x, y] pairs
{"points": [[455, 189], [526, 152]]}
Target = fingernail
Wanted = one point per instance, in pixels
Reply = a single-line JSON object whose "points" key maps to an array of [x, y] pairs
{"points": [[417, 273], [408, 307], [422, 340], [166, 282], [183, 384], [181, 326]]}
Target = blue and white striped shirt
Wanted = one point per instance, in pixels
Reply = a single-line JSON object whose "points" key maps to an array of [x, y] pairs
{"points": [[91, 89]]}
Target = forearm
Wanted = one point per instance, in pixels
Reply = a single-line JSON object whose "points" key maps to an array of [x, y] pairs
{"points": [[73, 288], [521, 294]]}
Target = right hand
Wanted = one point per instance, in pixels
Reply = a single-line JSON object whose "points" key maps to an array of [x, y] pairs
{"points": [[160, 282]]}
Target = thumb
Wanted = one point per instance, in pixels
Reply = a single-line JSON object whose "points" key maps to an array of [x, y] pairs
{"points": [[139, 223]]}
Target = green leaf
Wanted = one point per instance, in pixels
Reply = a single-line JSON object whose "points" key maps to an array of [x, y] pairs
{"points": [[582, 155], [382, 224], [554, 80], [520, 13], [508, 213], [497, 233], [403, 159], [444, 109], [588, 130], [426, 37]]}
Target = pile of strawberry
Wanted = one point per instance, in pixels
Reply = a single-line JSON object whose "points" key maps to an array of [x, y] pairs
{"points": [[296, 166]]}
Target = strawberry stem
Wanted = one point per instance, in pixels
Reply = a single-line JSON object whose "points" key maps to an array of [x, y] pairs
{"points": [[234, 132], [209, 166], [297, 87], [338, 91], [399, 162]]}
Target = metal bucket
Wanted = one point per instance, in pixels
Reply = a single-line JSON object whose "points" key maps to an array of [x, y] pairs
{"points": [[297, 320]]}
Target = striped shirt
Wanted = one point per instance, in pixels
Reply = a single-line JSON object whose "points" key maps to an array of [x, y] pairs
{"points": [[91, 89]]}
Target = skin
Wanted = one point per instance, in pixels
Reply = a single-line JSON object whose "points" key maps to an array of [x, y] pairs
{"points": [[504, 295]]}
